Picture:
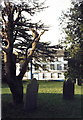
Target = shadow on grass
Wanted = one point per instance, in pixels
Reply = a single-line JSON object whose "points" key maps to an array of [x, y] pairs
{"points": [[50, 105], [5, 85]]}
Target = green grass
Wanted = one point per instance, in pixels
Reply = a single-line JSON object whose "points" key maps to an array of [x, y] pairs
{"points": [[50, 102]]}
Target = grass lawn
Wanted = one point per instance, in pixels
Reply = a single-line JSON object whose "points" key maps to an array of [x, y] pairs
{"points": [[50, 102]]}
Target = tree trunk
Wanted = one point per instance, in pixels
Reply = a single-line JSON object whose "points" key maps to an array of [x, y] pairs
{"points": [[16, 88], [14, 83]]}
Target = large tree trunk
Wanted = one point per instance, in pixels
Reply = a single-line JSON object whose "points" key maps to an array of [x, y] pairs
{"points": [[16, 88], [14, 83]]}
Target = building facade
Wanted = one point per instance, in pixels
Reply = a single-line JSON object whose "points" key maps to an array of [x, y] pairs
{"points": [[50, 70]]}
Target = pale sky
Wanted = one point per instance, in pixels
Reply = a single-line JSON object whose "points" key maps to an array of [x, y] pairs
{"points": [[50, 17]]}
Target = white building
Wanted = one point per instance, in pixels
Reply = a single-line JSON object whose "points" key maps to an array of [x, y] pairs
{"points": [[55, 70]]}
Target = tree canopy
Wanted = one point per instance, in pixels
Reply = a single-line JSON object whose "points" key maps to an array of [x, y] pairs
{"points": [[21, 25], [73, 42]]}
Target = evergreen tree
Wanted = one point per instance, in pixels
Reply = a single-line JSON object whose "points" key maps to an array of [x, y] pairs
{"points": [[73, 42]]}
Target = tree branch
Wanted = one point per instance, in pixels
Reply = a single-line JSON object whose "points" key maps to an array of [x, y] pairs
{"points": [[15, 36], [5, 50], [18, 17], [24, 67]]}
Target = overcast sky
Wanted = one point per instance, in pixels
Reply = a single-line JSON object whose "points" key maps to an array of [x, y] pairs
{"points": [[51, 17]]}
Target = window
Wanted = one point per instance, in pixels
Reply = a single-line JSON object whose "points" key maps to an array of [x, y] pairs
{"points": [[65, 66], [44, 67], [65, 59], [59, 67], [53, 75], [52, 66], [59, 75], [57, 59], [36, 67], [44, 75]]}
